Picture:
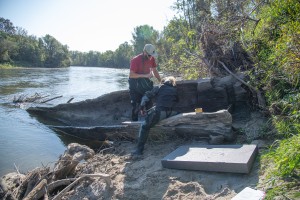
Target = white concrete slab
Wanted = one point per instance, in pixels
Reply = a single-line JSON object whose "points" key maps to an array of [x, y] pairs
{"points": [[250, 194], [219, 158]]}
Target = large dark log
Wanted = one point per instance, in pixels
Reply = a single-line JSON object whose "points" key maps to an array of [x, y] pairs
{"points": [[193, 124], [101, 118]]}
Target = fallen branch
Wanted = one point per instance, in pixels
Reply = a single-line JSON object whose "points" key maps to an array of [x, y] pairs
{"points": [[70, 100], [37, 191], [52, 186], [235, 76], [24, 98], [105, 176], [17, 168], [41, 189], [51, 99], [260, 99]]}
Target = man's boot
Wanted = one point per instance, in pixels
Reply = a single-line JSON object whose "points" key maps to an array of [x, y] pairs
{"points": [[141, 142]]}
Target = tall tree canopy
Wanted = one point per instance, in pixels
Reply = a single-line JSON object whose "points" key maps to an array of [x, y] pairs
{"points": [[16, 46], [142, 35]]}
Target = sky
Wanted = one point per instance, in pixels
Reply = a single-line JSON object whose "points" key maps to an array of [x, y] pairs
{"points": [[85, 25]]}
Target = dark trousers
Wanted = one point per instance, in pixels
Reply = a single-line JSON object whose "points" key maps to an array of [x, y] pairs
{"points": [[137, 88], [153, 117]]}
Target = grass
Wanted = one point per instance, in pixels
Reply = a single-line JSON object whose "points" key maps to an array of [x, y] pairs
{"points": [[7, 66], [281, 166]]}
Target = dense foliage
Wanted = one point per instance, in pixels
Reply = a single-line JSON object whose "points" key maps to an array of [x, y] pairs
{"points": [[17, 47], [275, 42], [260, 38], [119, 58]]}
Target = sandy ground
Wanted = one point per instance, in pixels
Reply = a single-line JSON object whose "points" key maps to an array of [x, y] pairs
{"points": [[145, 178]]}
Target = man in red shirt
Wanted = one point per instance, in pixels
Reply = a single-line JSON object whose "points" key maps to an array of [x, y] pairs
{"points": [[142, 68]]}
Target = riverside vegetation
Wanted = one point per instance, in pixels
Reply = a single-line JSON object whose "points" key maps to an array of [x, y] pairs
{"points": [[210, 38]]}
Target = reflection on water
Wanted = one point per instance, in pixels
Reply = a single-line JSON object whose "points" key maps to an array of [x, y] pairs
{"points": [[26, 143]]}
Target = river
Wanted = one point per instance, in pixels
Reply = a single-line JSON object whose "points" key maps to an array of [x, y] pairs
{"points": [[24, 142]]}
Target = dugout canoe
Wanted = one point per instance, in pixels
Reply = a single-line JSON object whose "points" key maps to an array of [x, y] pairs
{"points": [[103, 118]]}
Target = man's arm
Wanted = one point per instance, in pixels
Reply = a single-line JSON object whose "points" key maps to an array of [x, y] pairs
{"points": [[156, 74], [149, 95]]}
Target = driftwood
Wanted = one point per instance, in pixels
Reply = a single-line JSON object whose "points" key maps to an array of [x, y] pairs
{"points": [[42, 188], [260, 99], [30, 181], [197, 125], [40, 182], [25, 98], [68, 162], [106, 177], [51, 99], [37, 191], [36, 98], [206, 125], [52, 186], [4, 192], [71, 99]]}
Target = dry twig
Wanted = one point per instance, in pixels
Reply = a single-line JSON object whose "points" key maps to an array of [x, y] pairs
{"points": [[51, 99]]}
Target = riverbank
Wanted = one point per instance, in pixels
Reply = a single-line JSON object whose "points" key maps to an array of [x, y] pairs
{"points": [[16, 64], [8, 66], [142, 178], [145, 178], [131, 177], [110, 173]]}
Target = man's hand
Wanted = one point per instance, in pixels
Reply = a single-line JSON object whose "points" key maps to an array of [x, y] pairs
{"points": [[150, 75], [143, 110]]}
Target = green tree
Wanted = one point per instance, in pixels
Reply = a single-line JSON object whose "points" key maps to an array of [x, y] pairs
{"points": [[123, 55], [17, 47], [274, 41], [7, 26], [56, 54], [93, 58], [78, 58], [8, 47], [143, 35], [107, 59]]}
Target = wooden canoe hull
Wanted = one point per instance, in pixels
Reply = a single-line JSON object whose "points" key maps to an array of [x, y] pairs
{"points": [[100, 133], [101, 118]]}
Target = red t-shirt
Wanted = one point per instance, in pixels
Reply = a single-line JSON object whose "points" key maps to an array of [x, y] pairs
{"points": [[139, 66]]}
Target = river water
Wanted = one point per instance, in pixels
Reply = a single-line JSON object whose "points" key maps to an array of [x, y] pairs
{"points": [[24, 142]]}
